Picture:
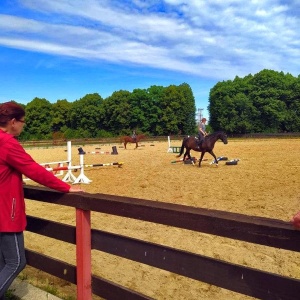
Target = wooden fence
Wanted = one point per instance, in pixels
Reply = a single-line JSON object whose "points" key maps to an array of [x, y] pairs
{"points": [[117, 140], [248, 281], [90, 141]]}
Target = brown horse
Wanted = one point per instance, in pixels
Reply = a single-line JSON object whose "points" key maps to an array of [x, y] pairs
{"points": [[191, 143], [128, 139]]}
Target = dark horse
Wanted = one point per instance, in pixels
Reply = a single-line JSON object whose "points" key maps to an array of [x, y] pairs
{"points": [[128, 139], [191, 143]]}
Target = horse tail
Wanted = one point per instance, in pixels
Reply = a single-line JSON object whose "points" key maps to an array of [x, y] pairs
{"points": [[181, 149]]}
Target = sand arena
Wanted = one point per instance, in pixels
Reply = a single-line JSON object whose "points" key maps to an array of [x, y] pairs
{"points": [[265, 182]]}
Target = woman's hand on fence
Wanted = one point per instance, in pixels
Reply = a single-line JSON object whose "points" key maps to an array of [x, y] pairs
{"points": [[76, 189], [296, 220]]}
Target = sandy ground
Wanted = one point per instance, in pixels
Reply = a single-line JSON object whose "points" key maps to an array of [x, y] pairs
{"points": [[264, 183]]}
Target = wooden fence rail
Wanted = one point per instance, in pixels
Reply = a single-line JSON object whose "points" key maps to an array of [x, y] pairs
{"points": [[237, 278], [117, 140]]}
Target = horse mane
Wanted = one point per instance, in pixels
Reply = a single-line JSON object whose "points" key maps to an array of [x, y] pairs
{"points": [[216, 133]]}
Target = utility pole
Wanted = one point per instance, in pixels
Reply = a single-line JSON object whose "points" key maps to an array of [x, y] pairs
{"points": [[200, 114]]}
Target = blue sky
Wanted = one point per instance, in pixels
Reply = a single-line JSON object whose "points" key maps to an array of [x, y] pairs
{"points": [[65, 49]]}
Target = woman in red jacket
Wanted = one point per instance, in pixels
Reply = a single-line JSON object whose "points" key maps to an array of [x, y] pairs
{"points": [[14, 162]]}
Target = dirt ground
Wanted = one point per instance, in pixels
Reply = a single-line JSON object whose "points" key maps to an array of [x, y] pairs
{"points": [[265, 182]]}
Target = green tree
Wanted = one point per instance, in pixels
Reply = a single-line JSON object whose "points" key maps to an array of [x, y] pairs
{"points": [[117, 111], [155, 111], [139, 101], [187, 112], [221, 106], [177, 110], [241, 112], [268, 88], [170, 107], [39, 119], [60, 111], [292, 119], [265, 102], [85, 116]]}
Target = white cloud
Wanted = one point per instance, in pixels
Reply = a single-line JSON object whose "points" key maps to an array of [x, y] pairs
{"points": [[218, 38]]}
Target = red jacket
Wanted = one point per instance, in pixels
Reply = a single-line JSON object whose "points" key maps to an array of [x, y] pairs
{"points": [[14, 162]]}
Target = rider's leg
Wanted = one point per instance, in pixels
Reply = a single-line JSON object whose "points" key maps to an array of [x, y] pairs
{"points": [[200, 139]]}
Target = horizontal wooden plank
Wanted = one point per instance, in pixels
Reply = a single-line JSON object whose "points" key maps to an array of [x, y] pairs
{"points": [[105, 289], [240, 279], [51, 266], [59, 231], [100, 287], [263, 231]]}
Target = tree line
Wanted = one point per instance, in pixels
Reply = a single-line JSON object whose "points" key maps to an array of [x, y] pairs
{"points": [[154, 111], [267, 102]]}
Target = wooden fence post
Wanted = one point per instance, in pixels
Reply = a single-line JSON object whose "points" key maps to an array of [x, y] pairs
{"points": [[83, 254]]}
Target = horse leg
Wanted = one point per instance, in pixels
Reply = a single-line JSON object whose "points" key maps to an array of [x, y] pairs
{"points": [[187, 154], [201, 157], [136, 145], [125, 145], [214, 156]]}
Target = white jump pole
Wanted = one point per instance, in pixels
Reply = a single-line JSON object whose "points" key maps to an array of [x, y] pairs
{"points": [[69, 177], [82, 178], [60, 168], [169, 142]]}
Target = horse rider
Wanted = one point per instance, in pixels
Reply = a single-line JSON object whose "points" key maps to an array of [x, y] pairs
{"points": [[202, 131], [134, 135]]}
